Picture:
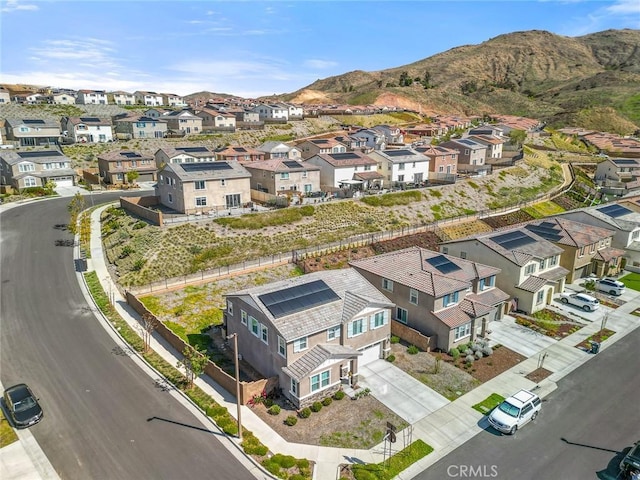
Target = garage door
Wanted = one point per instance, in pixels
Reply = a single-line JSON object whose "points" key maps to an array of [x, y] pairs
{"points": [[63, 181], [145, 177], [370, 354]]}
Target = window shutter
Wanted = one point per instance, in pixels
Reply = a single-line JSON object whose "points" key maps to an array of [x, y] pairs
{"points": [[350, 330], [386, 317], [364, 326], [372, 321]]}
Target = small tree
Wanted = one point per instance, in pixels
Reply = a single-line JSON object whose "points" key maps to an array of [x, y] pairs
{"points": [[132, 176], [149, 324], [50, 186], [75, 207], [517, 137], [193, 363]]}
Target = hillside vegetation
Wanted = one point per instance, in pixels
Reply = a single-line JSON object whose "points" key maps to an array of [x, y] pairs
{"points": [[563, 80]]}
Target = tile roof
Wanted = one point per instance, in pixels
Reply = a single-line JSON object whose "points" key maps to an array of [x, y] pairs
{"points": [[315, 357], [278, 165], [554, 274], [609, 253], [568, 232], [353, 159], [461, 313], [532, 284], [204, 173], [319, 318]]}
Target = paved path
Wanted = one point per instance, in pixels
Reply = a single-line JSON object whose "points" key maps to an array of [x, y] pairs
{"points": [[518, 338]]}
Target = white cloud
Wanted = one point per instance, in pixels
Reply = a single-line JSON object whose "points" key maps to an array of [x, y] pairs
{"points": [[624, 7], [319, 64], [14, 5]]}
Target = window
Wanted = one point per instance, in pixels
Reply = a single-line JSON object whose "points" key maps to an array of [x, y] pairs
{"points": [[441, 169], [387, 284], [553, 260], [199, 185], [357, 327], [402, 315], [29, 182], [333, 333], [581, 254], [243, 317], [482, 284], [282, 347], [367, 168], [401, 166], [284, 176], [462, 331], [170, 198], [413, 296], [542, 264], [378, 320], [254, 326], [450, 299], [26, 167], [229, 307], [232, 200], [264, 334], [530, 269], [294, 387], [540, 297], [401, 178], [592, 248], [463, 255], [201, 201], [491, 281], [300, 344], [320, 380]]}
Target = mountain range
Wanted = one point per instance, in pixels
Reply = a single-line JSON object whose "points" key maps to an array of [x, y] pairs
{"points": [[592, 81]]}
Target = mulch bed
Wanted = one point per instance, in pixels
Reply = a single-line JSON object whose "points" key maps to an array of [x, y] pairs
{"points": [[600, 336], [562, 325], [538, 375], [490, 366]]}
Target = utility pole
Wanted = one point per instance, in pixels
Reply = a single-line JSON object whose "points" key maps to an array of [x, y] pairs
{"points": [[235, 354]]}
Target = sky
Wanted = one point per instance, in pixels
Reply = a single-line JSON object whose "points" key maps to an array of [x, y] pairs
{"points": [[257, 48]]}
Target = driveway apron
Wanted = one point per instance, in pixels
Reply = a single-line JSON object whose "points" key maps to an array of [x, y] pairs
{"points": [[399, 391], [518, 338]]}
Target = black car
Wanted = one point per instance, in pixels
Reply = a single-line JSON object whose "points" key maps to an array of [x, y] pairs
{"points": [[22, 406], [630, 464]]}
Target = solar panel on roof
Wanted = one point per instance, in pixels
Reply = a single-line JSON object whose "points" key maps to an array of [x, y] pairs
{"points": [[320, 141], [624, 162], [240, 149], [344, 156], [34, 122], [443, 264], [205, 166], [42, 153], [398, 153], [512, 240], [292, 164], [546, 233], [89, 119], [130, 154], [192, 149], [614, 211], [298, 298], [466, 142]]}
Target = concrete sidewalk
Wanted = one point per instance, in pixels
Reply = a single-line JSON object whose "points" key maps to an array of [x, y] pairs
{"points": [[444, 429]]}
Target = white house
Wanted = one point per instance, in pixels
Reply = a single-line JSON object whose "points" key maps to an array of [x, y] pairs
{"points": [[353, 170], [402, 166], [92, 97], [123, 98], [151, 99], [272, 112], [87, 129]]}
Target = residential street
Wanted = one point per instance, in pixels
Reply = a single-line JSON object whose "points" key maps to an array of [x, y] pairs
{"points": [[582, 429], [104, 417]]}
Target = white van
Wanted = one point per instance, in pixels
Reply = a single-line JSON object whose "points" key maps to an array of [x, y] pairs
{"points": [[515, 411]]}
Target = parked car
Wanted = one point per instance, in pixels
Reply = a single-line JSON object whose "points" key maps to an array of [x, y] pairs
{"points": [[582, 300], [515, 411], [631, 462], [610, 286], [22, 406]]}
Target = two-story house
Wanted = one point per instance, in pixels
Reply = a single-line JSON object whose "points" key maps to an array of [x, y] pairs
{"points": [[295, 112], [471, 156], [622, 217], [239, 154], [618, 175], [317, 146], [446, 298], [123, 98], [392, 133], [87, 129], [34, 168], [115, 165], [32, 132], [282, 175], [217, 120], [151, 99], [274, 149], [179, 154], [313, 332], [493, 144], [530, 265], [5, 96], [61, 98], [139, 126], [373, 139], [443, 162], [183, 122], [92, 97], [587, 249], [203, 187], [402, 166], [272, 112], [350, 170], [173, 100]]}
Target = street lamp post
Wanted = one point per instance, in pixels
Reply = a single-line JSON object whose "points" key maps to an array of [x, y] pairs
{"points": [[235, 354]]}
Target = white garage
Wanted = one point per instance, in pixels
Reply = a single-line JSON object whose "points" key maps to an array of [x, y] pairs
{"points": [[370, 354], [63, 181]]}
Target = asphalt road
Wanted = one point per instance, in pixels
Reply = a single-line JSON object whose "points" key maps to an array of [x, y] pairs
{"points": [[97, 402], [583, 430]]}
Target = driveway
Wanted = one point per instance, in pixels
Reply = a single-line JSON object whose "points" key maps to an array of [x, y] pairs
{"points": [[399, 391], [518, 338]]}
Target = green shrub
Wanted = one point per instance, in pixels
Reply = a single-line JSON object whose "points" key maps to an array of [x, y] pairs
{"points": [[305, 412], [253, 446], [391, 358], [307, 210], [412, 350], [327, 401], [291, 420], [394, 339], [285, 461], [339, 395], [455, 353], [316, 407], [274, 410], [302, 463], [268, 402]]}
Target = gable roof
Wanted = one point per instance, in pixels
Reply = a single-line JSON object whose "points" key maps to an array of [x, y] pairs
{"points": [[192, 151], [190, 172], [403, 155], [120, 155], [315, 357], [568, 232], [346, 159], [281, 165], [90, 121], [353, 294], [13, 157]]}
